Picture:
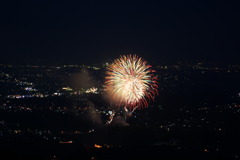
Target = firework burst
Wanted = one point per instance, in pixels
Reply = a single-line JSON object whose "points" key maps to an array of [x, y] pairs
{"points": [[130, 82]]}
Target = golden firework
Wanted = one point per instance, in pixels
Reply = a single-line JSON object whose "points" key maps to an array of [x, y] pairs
{"points": [[130, 82]]}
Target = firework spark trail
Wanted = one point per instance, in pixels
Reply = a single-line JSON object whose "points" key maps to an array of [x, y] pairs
{"points": [[110, 118], [130, 82]]}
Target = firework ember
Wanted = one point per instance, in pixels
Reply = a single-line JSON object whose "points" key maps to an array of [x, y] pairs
{"points": [[130, 82]]}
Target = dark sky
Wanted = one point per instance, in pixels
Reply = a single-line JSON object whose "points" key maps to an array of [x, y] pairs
{"points": [[88, 32]]}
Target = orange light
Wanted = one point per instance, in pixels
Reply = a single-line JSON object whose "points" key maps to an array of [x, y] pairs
{"points": [[97, 146], [66, 142]]}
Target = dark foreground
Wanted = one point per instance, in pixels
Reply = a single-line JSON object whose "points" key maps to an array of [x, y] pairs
{"points": [[74, 151], [124, 143]]}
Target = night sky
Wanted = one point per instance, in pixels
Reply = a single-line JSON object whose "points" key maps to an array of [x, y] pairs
{"points": [[65, 32]]}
